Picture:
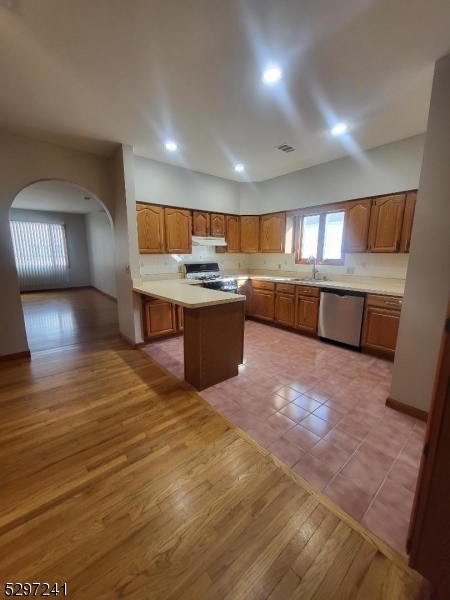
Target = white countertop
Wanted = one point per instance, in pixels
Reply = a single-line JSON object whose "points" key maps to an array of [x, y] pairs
{"points": [[371, 286], [185, 292]]}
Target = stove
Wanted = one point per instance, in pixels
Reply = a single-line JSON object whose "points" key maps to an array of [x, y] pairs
{"points": [[210, 276]]}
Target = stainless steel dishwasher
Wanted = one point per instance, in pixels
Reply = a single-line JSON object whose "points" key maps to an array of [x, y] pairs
{"points": [[340, 316]]}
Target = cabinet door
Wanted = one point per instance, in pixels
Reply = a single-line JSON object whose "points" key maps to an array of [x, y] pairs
{"points": [[380, 329], [246, 290], [285, 309], [232, 233], [357, 218], [250, 234], [307, 313], [217, 225], [159, 318], [408, 220], [263, 304], [200, 223], [150, 228], [273, 232], [386, 221], [180, 318], [178, 230]]}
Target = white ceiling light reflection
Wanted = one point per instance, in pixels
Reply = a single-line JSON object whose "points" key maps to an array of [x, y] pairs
{"points": [[239, 168], [171, 146]]}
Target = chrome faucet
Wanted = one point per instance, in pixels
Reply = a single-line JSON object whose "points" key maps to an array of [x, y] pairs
{"points": [[312, 259]]}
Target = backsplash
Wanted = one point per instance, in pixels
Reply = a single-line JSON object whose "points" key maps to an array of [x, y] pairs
{"points": [[153, 264], [391, 266]]}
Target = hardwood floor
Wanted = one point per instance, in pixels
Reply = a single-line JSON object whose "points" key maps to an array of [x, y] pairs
{"points": [[65, 317], [120, 482]]}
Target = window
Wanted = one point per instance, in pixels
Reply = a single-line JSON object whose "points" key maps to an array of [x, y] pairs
{"points": [[321, 236], [41, 255]]}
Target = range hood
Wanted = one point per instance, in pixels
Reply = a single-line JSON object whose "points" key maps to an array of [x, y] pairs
{"points": [[198, 240]]}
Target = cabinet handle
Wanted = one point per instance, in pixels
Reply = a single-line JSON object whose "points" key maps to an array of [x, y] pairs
{"points": [[398, 303], [397, 245]]}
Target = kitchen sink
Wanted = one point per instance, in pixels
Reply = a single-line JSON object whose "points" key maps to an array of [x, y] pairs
{"points": [[309, 279]]}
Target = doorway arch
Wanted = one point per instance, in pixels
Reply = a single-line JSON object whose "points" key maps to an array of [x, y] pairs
{"points": [[52, 317]]}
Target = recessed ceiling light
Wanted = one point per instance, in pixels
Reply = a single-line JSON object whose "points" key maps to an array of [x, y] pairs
{"points": [[239, 168], [339, 129], [171, 146], [272, 75]]}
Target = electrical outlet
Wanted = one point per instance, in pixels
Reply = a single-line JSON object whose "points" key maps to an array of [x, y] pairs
{"points": [[350, 270], [279, 265], [239, 265], [364, 265]]}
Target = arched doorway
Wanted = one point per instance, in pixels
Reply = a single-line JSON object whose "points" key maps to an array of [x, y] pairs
{"points": [[64, 252]]}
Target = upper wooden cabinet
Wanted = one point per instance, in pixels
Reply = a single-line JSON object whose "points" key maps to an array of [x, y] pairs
{"points": [[201, 223], [233, 233], [357, 219], [386, 222], [249, 234], [178, 230], [272, 232], [217, 225], [408, 220], [150, 228]]}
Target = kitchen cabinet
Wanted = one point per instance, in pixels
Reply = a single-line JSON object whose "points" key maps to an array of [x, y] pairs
{"points": [[150, 228], [381, 323], [263, 300], [357, 219], [217, 225], [408, 219], [245, 288], [386, 220], [180, 318], [159, 318], [232, 235], [201, 223], [249, 234], [272, 232], [178, 230], [285, 305], [307, 309]]}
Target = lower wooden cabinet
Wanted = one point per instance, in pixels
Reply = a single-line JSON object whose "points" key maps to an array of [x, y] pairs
{"points": [[263, 304], [245, 289], [307, 313], [285, 305], [161, 318], [381, 322]]}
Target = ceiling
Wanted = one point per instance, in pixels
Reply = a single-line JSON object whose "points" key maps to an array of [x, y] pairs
{"points": [[56, 196], [93, 74]]}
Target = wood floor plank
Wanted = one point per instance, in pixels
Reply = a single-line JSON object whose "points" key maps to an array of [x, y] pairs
{"points": [[119, 481]]}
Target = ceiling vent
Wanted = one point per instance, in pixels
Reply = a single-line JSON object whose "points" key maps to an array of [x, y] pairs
{"points": [[285, 148]]}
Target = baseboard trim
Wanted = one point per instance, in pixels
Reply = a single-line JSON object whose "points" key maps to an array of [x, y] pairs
{"points": [[131, 343], [104, 294], [15, 356], [412, 411], [59, 289]]}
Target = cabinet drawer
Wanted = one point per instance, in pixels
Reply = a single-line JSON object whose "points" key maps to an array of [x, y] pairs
{"points": [[285, 288], [263, 285], [306, 290], [389, 302]]}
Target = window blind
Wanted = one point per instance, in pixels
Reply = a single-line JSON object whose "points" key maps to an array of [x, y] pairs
{"points": [[41, 254]]}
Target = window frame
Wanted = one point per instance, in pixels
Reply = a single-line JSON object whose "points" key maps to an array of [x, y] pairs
{"points": [[299, 217]]}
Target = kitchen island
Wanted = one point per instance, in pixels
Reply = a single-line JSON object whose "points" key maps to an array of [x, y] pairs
{"points": [[213, 328]]}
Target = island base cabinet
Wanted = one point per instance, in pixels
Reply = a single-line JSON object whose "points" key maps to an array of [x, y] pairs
{"points": [[213, 343], [307, 314], [159, 318]]}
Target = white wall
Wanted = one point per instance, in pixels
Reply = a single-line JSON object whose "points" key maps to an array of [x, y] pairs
{"points": [[100, 240], [159, 183], [77, 248], [390, 168], [427, 290], [22, 162]]}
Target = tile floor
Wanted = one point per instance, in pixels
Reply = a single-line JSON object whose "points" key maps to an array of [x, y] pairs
{"points": [[320, 409]]}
